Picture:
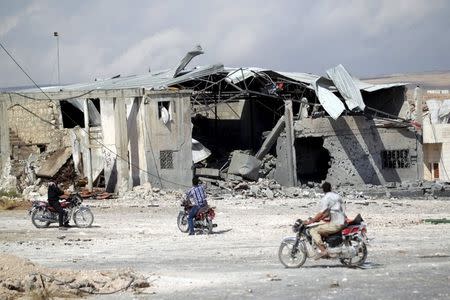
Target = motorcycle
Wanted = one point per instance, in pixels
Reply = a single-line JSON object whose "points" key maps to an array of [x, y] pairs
{"points": [[348, 245], [202, 221], [42, 214]]}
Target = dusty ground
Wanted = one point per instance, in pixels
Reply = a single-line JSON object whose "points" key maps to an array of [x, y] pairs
{"points": [[407, 258]]}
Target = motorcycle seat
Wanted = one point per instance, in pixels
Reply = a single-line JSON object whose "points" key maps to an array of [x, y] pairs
{"points": [[203, 210]]}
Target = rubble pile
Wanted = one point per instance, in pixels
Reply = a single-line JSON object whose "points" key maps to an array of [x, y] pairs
{"points": [[263, 188], [21, 278], [269, 188], [144, 195], [268, 166], [408, 189]]}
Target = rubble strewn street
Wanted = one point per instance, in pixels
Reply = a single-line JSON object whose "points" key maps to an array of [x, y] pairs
{"points": [[407, 257]]}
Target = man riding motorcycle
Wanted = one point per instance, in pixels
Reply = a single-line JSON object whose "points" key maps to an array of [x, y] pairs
{"points": [[53, 196], [331, 207], [198, 196]]}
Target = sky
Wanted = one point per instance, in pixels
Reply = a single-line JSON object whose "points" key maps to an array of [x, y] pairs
{"points": [[104, 38]]}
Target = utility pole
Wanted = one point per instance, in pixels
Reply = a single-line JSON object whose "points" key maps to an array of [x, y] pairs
{"points": [[56, 34]]}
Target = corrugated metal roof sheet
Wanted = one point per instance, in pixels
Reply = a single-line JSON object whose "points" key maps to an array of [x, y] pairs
{"points": [[369, 87], [330, 102], [154, 81], [347, 87]]}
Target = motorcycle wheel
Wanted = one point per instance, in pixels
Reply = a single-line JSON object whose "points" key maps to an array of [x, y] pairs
{"points": [[83, 217], [287, 258], [208, 226], [361, 254], [36, 215], [182, 222]]}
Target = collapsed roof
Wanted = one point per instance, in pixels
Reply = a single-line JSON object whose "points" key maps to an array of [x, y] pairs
{"points": [[328, 90]]}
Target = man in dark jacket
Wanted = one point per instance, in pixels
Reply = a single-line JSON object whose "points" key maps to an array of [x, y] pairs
{"points": [[53, 200]]}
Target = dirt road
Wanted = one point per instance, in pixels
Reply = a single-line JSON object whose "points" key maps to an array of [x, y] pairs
{"points": [[407, 258]]}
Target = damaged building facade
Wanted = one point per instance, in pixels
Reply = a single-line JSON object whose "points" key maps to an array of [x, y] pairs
{"points": [[436, 141], [127, 144], [218, 123]]}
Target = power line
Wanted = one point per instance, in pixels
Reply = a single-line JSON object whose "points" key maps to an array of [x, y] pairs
{"points": [[88, 133]]}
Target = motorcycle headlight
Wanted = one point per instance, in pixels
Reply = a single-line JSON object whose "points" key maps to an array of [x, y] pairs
{"points": [[297, 225]]}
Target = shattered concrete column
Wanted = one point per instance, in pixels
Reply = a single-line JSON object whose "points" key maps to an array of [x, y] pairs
{"points": [[271, 138], [419, 105], [419, 119], [290, 150], [121, 139], [88, 144]]}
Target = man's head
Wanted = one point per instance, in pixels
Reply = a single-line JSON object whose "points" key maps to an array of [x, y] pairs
{"points": [[195, 181], [326, 187]]}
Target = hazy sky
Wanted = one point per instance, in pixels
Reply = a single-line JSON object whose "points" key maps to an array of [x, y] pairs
{"points": [[100, 39]]}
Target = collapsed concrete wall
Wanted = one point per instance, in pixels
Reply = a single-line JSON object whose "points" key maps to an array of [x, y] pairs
{"points": [[359, 152]]}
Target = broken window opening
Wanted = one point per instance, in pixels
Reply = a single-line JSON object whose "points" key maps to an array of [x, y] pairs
{"points": [[96, 102], [71, 116], [313, 160], [42, 148], [395, 159], [164, 113], [166, 159]]}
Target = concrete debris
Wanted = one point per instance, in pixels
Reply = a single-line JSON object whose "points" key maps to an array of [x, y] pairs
{"points": [[143, 196], [244, 165], [334, 284], [268, 188], [54, 162], [21, 278]]}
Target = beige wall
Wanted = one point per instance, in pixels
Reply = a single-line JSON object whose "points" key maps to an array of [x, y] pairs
{"points": [[436, 139]]}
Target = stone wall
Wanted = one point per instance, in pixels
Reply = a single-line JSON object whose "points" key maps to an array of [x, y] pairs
{"points": [[37, 122]]}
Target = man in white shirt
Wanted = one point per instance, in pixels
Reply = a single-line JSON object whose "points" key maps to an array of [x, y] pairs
{"points": [[331, 207]]}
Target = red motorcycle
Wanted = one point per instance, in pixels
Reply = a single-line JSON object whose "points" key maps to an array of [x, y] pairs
{"points": [[348, 245], [203, 219], [42, 214]]}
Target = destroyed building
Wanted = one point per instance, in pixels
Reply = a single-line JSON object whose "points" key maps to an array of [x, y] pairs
{"points": [[217, 122]]}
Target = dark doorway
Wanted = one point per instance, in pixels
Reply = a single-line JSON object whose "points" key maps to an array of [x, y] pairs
{"points": [[71, 116], [313, 160]]}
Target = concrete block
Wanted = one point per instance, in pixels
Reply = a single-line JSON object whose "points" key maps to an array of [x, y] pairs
{"points": [[244, 165]]}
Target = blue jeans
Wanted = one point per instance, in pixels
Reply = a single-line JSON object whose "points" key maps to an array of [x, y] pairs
{"points": [[192, 213]]}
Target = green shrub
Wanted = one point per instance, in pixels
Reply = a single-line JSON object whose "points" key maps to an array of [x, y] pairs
{"points": [[9, 194]]}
